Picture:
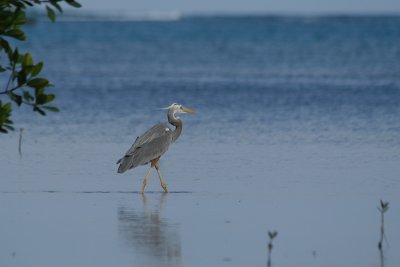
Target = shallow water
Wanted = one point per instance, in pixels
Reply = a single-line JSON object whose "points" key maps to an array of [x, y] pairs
{"points": [[64, 204], [295, 131]]}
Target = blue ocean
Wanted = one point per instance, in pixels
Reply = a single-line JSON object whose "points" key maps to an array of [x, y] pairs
{"points": [[328, 79], [296, 129]]}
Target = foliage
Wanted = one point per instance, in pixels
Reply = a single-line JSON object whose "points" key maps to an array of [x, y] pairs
{"points": [[21, 74]]}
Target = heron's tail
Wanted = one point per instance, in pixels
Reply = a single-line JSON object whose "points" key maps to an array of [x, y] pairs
{"points": [[126, 163], [123, 165], [131, 159]]}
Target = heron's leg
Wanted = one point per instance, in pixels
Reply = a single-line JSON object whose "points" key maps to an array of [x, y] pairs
{"points": [[145, 179], [164, 186]]}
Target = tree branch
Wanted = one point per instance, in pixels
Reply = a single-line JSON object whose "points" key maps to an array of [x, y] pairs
{"points": [[9, 81], [11, 90]]}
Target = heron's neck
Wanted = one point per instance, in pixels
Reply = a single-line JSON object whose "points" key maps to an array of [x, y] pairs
{"points": [[177, 123]]}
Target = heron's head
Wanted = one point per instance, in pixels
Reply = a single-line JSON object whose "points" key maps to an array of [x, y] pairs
{"points": [[177, 108]]}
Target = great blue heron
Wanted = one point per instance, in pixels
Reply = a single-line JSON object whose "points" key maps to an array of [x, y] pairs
{"points": [[150, 146]]}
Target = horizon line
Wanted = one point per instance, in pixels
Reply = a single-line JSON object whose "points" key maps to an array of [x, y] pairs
{"points": [[100, 15]]}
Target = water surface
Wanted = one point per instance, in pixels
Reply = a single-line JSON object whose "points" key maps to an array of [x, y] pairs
{"points": [[296, 130]]}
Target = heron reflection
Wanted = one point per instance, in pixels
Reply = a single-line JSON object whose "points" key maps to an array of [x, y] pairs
{"points": [[156, 242]]}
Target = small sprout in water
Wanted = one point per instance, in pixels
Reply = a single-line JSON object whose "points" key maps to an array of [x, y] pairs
{"points": [[271, 235], [384, 207]]}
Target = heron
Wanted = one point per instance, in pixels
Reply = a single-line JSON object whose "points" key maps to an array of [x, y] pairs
{"points": [[150, 146]]}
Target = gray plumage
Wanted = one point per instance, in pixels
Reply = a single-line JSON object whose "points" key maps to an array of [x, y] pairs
{"points": [[151, 145], [154, 142]]}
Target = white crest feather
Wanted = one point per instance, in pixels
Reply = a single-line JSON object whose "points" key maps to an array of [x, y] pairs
{"points": [[173, 104]]}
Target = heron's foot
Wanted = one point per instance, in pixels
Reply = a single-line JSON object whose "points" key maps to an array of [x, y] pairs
{"points": [[164, 186], [143, 185]]}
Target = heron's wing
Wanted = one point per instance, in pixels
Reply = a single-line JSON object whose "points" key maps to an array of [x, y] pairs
{"points": [[152, 144], [154, 132]]}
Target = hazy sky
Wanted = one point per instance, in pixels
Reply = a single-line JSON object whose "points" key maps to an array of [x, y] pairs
{"points": [[246, 6]]}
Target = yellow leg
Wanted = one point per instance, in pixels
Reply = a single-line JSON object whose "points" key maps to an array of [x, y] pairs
{"points": [[164, 186], [145, 179]]}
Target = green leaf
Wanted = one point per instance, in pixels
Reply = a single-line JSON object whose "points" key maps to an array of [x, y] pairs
{"points": [[27, 61], [27, 69], [56, 5], [36, 69], [20, 18], [16, 98], [39, 91], [21, 77], [37, 109], [38, 83], [51, 108], [5, 113], [73, 3], [50, 97], [27, 3], [17, 34], [5, 45], [7, 107], [15, 55], [51, 14], [27, 96], [41, 99]]}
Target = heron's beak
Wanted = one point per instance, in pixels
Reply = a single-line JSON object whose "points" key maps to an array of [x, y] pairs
{"points": [[187, 110]]}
